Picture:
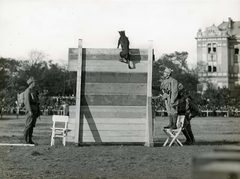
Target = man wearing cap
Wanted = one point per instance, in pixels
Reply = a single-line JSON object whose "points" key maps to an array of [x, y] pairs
{"points": [[32, 108], [169, 87]]}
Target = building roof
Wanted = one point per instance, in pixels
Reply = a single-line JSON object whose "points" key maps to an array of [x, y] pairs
{"points": [[234, 31], [229, 29]]}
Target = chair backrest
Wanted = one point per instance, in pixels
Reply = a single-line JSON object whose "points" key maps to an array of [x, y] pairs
{"points": [[180, 121], [60, 118]]}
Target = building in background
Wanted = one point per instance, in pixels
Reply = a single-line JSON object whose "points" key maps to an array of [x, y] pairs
{"points": [[218, 55]]}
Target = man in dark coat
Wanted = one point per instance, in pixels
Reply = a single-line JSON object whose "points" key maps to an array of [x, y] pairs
{"points": [[188, 108], [32, 108]]}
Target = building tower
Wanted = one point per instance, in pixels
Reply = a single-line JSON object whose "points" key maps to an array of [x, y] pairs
{"points": [[218, 55]]}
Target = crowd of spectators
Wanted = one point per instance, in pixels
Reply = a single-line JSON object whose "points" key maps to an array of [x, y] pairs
{"points": [[60, 105], [49, 106], [206, 110], [233, 111]]}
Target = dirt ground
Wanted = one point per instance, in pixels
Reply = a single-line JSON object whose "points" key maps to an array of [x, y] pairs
{"points": [[109, 161]]}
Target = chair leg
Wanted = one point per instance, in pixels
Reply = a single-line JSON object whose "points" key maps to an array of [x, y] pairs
{"points": [[64, 140], [175, 135], [179, 142], [52, 138], [52, 141], [172, 142], [175, 140], [168, 133], [165, 143]]}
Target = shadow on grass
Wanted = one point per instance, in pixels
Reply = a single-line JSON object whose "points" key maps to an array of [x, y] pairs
{"points": [[201, 143], [5, 118], [218, 143]]}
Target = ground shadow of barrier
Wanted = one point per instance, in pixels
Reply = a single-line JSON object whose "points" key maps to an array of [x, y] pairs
{"points": [[87, 114], [89, 118], [10, 117], [160, 144]]}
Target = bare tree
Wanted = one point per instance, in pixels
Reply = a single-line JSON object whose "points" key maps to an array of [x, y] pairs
{"points": [[36, 56]]}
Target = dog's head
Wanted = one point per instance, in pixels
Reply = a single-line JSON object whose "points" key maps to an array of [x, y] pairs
{"points": [[122, 33]]}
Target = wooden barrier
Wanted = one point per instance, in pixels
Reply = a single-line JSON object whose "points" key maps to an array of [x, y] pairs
{"points": [[113, 102]]}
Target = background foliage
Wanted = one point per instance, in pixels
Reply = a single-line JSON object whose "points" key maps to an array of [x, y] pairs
{"points": [[52, 79], [55, 80]]}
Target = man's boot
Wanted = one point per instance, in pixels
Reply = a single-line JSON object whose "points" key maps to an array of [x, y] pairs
{"points": [[174, 123], [186, 134], [191, 136], [30, 136], [25, 136], [170, 122]]}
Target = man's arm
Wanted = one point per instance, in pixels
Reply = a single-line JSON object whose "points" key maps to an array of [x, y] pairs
{"points": [[27, 100], [187, 104], [174, 91]]}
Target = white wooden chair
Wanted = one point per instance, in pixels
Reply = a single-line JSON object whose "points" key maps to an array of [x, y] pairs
{"points": [[174, 133], [59, 131]]}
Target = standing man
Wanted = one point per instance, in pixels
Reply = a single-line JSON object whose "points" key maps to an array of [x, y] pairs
{"points": [[169, 87], [32, 108], [188, 108], [192, 111]]}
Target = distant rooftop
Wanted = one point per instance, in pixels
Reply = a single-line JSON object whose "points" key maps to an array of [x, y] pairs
{"points": [[232, 27]]}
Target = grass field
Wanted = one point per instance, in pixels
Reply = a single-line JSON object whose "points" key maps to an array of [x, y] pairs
{"points": [[111, 161]]}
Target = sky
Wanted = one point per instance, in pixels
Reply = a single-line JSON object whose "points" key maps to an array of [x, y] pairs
{"points": [[53, 26]]}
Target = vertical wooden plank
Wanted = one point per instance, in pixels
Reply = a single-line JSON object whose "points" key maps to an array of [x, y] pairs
{"points": [[78, 92], [149, 136], [150, 61]]}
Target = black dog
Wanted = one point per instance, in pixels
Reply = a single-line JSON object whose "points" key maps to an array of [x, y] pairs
{"points": [[124, 54]]}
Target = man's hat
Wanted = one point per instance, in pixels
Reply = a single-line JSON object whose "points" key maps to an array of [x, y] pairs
{"points": [[30, 80], [168, 70]]}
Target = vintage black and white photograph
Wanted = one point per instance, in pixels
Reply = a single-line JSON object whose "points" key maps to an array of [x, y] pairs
{"points": [[119, 89]]}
